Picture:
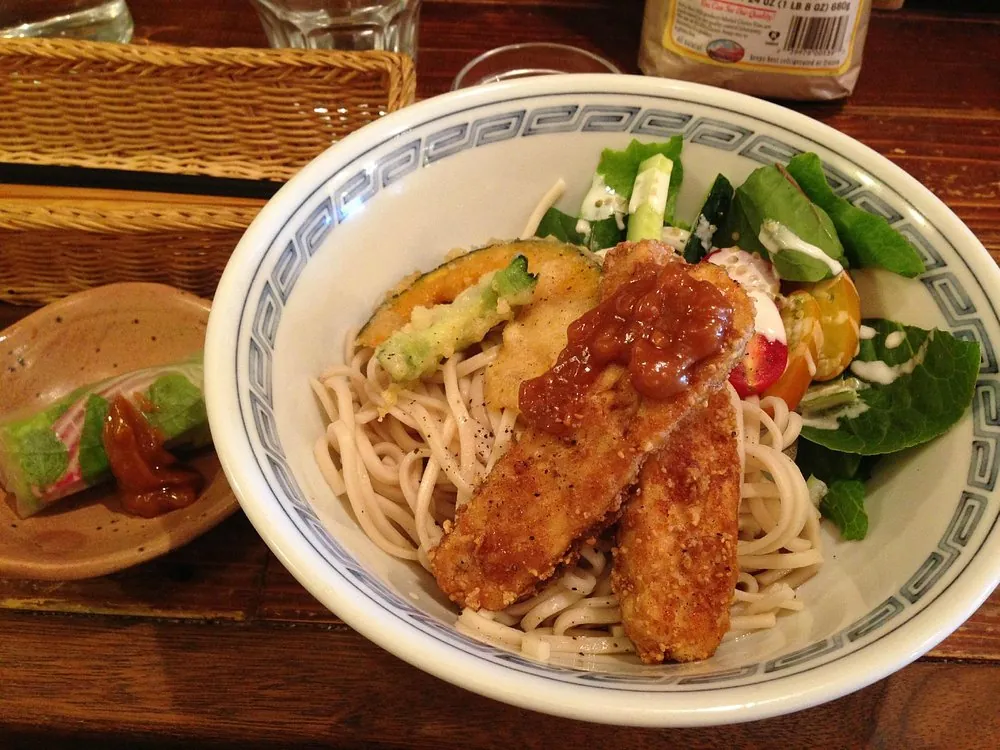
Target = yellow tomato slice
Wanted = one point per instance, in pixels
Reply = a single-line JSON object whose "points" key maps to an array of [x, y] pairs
{"points": [[800, 314], [840, 319]]}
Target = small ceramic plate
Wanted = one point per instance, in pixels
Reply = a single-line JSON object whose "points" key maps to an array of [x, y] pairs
{"points": [[83, 339]]}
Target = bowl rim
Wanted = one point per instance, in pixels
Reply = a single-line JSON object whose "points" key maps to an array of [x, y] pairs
{"points": [[732, 704]]}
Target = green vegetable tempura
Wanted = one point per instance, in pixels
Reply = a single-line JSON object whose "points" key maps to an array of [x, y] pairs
{"points": [[438, 332]]}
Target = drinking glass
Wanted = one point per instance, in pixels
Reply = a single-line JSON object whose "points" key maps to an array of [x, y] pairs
{"points": [[529, 59], [341, 24], [96, 20]]}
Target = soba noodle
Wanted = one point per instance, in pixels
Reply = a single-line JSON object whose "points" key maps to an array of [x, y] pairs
{"points": [[406, 457]]}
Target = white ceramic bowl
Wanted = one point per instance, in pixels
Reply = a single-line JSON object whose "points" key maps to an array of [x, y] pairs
{"points": [[460, 169]]}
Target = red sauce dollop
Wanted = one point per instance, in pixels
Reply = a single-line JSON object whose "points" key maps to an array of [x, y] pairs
{"points": [[659, 325], [149, 477]]}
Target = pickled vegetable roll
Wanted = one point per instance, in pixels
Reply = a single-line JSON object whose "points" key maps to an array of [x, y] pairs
{"points": [[59, 450]]}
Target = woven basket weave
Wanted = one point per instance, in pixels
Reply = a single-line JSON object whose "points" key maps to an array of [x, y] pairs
{"points": [[48, 253], [235, 113], [248, 113]]}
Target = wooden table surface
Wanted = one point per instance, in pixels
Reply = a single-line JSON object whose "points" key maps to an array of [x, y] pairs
{"points": [[217, 645]]}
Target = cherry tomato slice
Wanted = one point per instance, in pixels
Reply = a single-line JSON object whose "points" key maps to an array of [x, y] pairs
{"points": [[800, 313], [840, 319], [762, 365]]}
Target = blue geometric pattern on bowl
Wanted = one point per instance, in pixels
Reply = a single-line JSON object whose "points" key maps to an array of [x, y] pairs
{"points": [[263, 314]]}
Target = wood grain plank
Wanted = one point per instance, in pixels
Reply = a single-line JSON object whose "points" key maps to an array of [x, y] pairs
{"points": [[293, 686], [10, 314], [984, 221], [978, 638], [283, 600], [951, 179], [452, 34], [917, 132], [216, 577], [906, 63]]}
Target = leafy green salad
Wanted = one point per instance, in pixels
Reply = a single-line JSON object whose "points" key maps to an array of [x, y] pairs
{"points": [[866, 388]]}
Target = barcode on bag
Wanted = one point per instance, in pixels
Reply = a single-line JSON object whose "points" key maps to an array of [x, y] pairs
{"points": [[816, 34]]}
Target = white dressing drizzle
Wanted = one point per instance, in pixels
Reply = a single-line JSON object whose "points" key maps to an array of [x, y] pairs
{"points": [[704, 231], [767, 319], [866, 333], [755, 275], [778, 238], [894, 339], [601, 202], [831, 420], [879, 372]]}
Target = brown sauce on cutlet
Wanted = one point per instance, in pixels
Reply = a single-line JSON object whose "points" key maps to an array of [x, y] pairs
{"points": [[659, 325]]}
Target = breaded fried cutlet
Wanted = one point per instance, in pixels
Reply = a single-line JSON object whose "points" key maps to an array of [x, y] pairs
{"points": [[675, 561], [548, 495]]}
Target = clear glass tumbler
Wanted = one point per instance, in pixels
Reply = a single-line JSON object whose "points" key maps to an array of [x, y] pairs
{"points": [[529, 59], [96, 20], [341, 24]]}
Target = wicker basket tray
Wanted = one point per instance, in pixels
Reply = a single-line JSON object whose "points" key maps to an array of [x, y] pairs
{"points": [[247, 113], [231, 113], [51, 247]]}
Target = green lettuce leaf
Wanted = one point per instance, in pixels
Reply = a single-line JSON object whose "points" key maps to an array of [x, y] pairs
{"points": [[844, 504], [32, 444], [43, 457], [560, 225], [178, 405], [845, 475], [791, 264], [914, 408], [868, 239], [619, 168], [830, 465], [93, 458], [768, 194]]}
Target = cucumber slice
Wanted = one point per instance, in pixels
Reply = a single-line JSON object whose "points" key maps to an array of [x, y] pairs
{"points": [[713, 214]]}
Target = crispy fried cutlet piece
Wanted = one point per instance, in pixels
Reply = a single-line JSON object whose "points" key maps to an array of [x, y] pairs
{"points": [[548, 495], [622, 262], [675, 560]]}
